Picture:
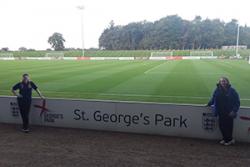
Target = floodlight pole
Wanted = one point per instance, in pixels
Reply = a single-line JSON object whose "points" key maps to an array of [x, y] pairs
{"points": [[81, 8], [237, 41]]}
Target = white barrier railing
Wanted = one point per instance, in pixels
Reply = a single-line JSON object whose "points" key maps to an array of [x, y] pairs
{"points": [[147, 118]]}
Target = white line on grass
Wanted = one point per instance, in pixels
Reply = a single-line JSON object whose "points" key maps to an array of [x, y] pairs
{"points": [[153, 68], [226, 64], [167, 72], [158, 96], [146, 95], [131, 95]]}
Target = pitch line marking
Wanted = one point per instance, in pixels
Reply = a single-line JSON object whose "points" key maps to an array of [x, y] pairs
{"points": [[133, 95], [225, 64], [186, 73], [153, 68], [146, 95], [160, 96]]}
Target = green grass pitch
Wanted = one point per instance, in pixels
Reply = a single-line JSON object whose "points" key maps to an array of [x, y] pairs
{"points": [[185, 81]]}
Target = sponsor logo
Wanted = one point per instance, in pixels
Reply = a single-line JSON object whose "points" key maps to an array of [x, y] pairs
{"points": [[244, 118], [42, 107], [83, 58], [209, 122], [174, 57], [46, 114], [14, 109]]}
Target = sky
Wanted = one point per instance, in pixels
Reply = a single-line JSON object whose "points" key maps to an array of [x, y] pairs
{"points": [[29, 23]]}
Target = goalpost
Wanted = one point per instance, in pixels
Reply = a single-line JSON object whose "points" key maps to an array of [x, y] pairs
{"points": [[249, 60], [202, 53], [161, 54], [55, 55]]}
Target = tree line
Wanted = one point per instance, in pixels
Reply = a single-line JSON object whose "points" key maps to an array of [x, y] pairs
{"points": [[173, 32]]}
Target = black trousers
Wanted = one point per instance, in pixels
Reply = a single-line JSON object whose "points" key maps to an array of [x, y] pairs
{"points": [[226, 126], [24, 106]]}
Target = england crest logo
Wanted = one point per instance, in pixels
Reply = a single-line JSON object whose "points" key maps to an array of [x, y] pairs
{"points": [[42, 107], [209, 122]]}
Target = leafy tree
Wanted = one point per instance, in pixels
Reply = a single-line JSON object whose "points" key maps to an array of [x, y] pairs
{"points": [[22, 49], [31, 49], [231, 32], [195, 33], [244, 35], [6, 49], [173, 32], [57, 41]]}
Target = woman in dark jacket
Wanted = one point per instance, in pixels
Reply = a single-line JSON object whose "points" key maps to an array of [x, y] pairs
{"points": [[24, 98], [226, 103]]}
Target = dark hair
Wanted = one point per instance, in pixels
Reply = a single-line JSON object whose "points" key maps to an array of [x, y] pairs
{"points": [[224, 78], [25, 75]]}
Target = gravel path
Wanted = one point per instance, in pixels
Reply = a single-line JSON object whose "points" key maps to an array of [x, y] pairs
{"points": [[57, 147]]}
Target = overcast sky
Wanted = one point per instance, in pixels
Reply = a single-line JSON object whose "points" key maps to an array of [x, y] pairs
{"points": [[29, 23]]}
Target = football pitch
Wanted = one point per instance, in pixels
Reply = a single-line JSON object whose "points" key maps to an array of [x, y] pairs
{"points": [[184, 81]]}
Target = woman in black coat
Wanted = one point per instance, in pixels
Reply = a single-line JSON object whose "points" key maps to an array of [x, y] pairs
{"points": [[226, 103], [24, 98]]}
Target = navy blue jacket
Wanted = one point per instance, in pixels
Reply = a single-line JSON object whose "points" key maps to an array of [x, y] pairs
{"points": [[25, 89], [232, 101]]}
